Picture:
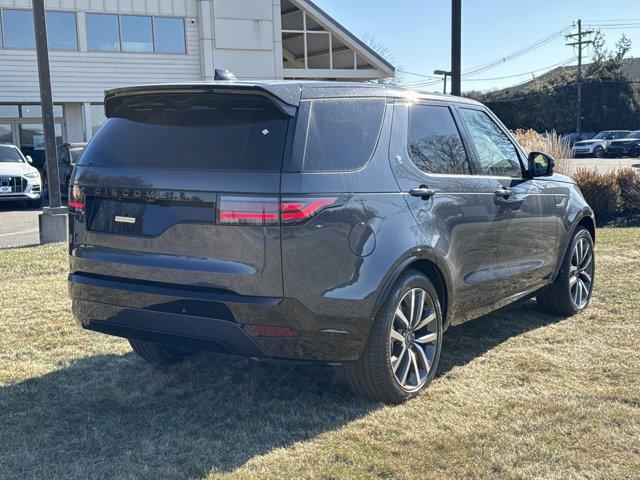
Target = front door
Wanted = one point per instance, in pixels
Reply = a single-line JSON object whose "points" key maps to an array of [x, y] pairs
{"points": [[459, 218], [526, 210]]}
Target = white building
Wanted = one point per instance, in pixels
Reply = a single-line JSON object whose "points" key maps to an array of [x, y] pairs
{"points": [[95, 45]]}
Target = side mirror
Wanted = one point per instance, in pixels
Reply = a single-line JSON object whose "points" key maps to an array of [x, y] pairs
{"points": [[29, 159], [541, 164]]}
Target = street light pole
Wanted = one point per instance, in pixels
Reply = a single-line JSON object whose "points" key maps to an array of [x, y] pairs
{"points": [[445, 74], [53, 220], [456, 47], [46, 103]]}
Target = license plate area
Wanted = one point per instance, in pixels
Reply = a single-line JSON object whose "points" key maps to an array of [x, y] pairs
{"points": [[142, 218], [5, 189]]}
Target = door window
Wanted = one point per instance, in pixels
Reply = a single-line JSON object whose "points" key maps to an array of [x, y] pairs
{"points": [[435, 144], [497, 155]]}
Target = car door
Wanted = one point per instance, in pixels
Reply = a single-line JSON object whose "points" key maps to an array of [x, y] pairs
{"points": [[526, 208], [457, 215]]}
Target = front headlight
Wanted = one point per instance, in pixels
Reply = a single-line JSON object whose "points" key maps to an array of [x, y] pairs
{"points": [[32, 175]]}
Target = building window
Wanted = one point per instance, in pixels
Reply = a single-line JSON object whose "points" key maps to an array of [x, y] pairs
{"points": [[169, 35], [18, 32], [17, 29], [135, 33], [103, 33], [9, 111], [97, 117], [34, 111], [61, 30]]}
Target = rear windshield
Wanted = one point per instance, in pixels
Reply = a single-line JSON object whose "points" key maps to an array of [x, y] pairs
{"points": [[193, 132]]}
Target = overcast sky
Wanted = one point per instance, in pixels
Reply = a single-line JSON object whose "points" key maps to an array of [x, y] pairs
{"points": [[418, 33]]}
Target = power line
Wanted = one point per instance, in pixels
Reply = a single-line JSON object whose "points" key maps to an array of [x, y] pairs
{"points": [[494, 63]]}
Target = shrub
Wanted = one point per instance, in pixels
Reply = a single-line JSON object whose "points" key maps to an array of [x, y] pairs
{"points": [[629, 181], [601, 191], [552, 144]]}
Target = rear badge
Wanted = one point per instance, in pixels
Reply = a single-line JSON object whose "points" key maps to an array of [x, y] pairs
{"points": [[125, 219]]}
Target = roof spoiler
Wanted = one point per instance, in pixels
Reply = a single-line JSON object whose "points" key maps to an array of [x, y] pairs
{"points": [[285, 98]]}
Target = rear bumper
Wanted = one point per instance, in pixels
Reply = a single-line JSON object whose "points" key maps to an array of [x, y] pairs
{"points": [[203, 319]]}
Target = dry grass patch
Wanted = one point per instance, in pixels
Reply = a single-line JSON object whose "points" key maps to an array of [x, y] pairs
{"points": [[519, 395]]}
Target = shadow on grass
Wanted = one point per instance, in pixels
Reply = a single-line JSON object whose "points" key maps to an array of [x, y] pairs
{"points": [[115, 416]]}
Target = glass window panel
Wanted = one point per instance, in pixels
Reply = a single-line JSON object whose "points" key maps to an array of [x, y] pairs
{"points": [[318, 53], [169, 35], [97, 117], [9, 111], [497, 155], [342, 133], [292, 20], [435, 144], [5, 133], [61, 30], [102, 33], [31, 111], [18, 29], [137, 34]]}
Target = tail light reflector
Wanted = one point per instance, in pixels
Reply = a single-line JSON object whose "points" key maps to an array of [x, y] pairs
{"points": [[301, 209], [76, 198], [248, 210], [271, 331]]}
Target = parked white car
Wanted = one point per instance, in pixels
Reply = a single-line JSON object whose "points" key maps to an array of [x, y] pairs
{"points": [[19, 180], [598, 145]]}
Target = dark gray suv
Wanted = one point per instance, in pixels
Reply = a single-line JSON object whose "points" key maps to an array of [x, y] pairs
{"points": [[343, 223]]}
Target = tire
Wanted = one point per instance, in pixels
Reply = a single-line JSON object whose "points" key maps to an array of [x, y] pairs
{"points": [[635, 153], [559, 298], [158, 354], [372, 376], [598, 152]]}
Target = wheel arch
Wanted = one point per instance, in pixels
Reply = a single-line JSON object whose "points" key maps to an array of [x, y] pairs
{"points": [[428, 266]]}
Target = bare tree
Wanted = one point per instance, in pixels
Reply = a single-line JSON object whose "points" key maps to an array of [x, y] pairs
{"points": [[385, 52]]}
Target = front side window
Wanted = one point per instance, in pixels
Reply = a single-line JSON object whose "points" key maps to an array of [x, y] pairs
{"points": [[61, 30], [137, 33], [435, 144], [497, 155], [169, 35], [103, 34], [17, 26], [342, 133]]}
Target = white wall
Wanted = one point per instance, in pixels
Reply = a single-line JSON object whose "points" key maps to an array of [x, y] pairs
{"points": [[79, 76]]}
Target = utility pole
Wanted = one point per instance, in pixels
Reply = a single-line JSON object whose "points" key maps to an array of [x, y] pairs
{"points": [[456, 47], [445, 74], [53, 220], [581, 43]]}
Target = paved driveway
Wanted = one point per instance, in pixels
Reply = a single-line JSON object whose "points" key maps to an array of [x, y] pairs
{"points": [[18, 225], [602, 165]]}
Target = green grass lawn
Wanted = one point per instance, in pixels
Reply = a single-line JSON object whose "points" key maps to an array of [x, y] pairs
{"points": [[519, 394]]}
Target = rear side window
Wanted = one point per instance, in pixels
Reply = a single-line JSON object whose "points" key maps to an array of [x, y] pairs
{"points": [[342, 133], [435, 144], [193, 132]]}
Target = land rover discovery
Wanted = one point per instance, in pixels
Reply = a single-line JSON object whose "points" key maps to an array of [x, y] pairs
{"points": [[350, 224]]}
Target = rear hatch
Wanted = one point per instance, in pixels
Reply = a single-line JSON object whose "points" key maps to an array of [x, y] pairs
{"points": [[182, 188]]}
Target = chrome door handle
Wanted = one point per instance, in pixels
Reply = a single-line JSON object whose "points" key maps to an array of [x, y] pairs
{"points": [[422, 192], [503, 193]]}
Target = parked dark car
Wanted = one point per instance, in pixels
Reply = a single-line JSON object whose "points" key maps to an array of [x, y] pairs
{"points": [[350, 224], [628, 146], [68, 156]]}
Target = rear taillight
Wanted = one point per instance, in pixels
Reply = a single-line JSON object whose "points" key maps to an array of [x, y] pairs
{"points": [[248, 210], [301, 209], [235, 210], [76, 198]]}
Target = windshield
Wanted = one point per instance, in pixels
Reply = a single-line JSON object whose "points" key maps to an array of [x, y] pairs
{"points": [[10, 155], [76, 153], [601, 135], [635, 134]]}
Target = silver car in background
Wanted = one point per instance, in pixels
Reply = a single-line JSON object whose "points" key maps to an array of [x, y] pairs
{"points": [[597, 147]]}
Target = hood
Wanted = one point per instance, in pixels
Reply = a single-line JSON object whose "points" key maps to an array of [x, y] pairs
{"points": [[15, 168]]}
